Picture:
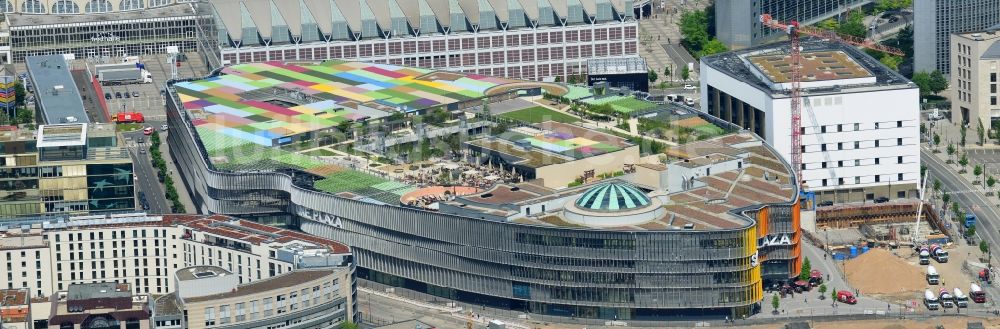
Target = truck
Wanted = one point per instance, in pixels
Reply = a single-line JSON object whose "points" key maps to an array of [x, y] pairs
{"points": [[970, 220], [124, 76], [945, 298], [846, 297], [977, 294], [935, 115], [938, 253], [925, 255], [931, 300], [932, 275], [961, 300], [128, 117]]}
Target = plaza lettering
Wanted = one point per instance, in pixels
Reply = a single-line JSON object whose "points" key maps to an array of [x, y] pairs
{"points": [[780, 240]]}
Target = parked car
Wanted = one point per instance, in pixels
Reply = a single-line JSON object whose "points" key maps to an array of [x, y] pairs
{"points": [[107, 96], [147, 131], [881, 199], [826, 203], [118, 94], [127, 95], [135, 94], [690, 87], [164, 127], [689, 102]]}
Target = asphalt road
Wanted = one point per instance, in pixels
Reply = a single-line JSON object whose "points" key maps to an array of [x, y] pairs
{"points": [[988, 219], [146, 181], [680, 56]]}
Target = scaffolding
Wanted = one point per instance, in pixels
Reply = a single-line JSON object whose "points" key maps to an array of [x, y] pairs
{"points": [[880, 221]]}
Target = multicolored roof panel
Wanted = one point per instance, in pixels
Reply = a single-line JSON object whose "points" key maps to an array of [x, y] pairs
{"points": [[238, 102]]}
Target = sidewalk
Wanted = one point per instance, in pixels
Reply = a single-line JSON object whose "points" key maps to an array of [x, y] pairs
{"points": [[182, 192]]}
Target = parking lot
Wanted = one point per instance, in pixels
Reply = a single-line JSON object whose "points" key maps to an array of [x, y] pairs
{"points": [[146, 98]]}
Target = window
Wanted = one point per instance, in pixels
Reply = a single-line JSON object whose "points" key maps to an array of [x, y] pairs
{"points": [[857, 180], [878, 178], [857, 145], [240, 312], [840, 181], [876, 125], [840, 128], [209, 316], [899, 124], [993, 100], [32, 7], [857, 162], [899, 141], [899, 177], [876, 143], [993, 88], [857, 126], [823, 147], [130, 4], [993, 77], [824, 164], [824, 182], [98, 6], [876, 160], [840, 146], [840, 163], [899, 159], [224, 314], [822, 129], [268, 306]]}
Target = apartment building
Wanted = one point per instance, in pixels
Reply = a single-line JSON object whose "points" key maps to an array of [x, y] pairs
{"points": [[737, 22], [146, 252], [975, 58]]}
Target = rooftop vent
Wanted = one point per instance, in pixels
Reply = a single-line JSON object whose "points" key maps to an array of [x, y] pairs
{"points": [[688, 226]]}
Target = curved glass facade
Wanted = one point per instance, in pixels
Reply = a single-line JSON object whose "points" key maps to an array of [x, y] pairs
{"points": [[562, 271]]}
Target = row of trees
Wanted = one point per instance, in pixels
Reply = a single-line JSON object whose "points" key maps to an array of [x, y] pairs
{"points": [[685, 74], [161, 167]]}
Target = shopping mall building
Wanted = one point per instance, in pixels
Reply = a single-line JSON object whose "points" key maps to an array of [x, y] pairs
{"points": [[700, 234]]}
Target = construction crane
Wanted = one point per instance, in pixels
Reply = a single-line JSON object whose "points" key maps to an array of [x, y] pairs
{"points": [[793, 29]]}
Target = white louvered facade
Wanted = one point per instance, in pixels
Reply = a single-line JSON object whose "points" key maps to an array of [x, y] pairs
{"points": [[528, 39]]}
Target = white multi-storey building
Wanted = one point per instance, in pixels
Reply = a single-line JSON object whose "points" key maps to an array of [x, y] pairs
{"points": [[860, 120], [146, 251], [975, 64]]}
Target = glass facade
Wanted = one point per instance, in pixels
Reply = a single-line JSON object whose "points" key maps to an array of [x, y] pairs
{"points": [[549, 270]]}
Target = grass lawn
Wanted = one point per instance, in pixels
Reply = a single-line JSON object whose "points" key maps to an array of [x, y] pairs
{"points": [[128, 127], [320, 152], [538, 114]]}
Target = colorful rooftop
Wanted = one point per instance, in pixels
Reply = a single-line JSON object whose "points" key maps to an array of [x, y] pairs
{"points": [[268, 102], [565, 139]]}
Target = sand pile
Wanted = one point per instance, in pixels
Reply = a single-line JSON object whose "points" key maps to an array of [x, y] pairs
{"points": [[880, 272]]}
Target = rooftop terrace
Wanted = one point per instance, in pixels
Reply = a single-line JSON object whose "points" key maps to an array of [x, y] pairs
{"points": [[827, 62], [55, 89]]}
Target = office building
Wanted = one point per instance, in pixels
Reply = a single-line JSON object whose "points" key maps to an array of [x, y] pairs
{"points": [[100, 30], [533, 40], [934, 21], [152, 255], [737, 22], [860, 120], [609, 249], [975, 61], [73, 168], [99, 305], [210, 296]]}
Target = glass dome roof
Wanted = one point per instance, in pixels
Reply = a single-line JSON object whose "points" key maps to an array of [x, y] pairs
{"points": [[612, 196]]}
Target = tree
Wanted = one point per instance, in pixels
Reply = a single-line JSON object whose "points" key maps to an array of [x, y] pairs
{"points": [[981, 132], [685, 73], [990, 181], [977, 170], [828, 24], [694, 30], [713, 47], [19, 94], [938, 82], [24, 116], [775, 302], [891, 5], [822, 289], [937, 185], [963, 161], [806, 268], [923, 81], [937, 139], [951, 149], [652, 76], [956, 209], [969, 231], [666, 73], [984, 247], [945, 197], [854, 25], [833, 294], [892, 61]]}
